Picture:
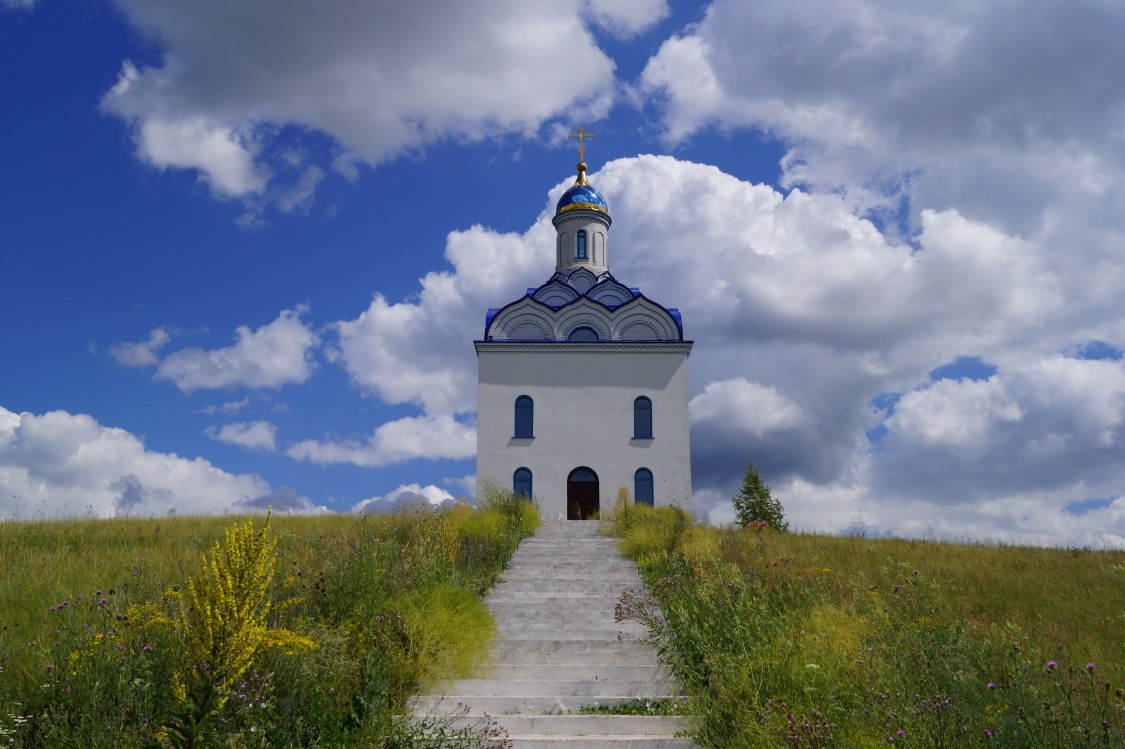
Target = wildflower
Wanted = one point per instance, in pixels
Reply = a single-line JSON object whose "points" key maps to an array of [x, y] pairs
{"points": [[1089, 666], [1051, 665], [50, 666], [900, 733], [991, 685], [147, 648], [99, 592], [103, 602], [988, 733], [915, 573]]}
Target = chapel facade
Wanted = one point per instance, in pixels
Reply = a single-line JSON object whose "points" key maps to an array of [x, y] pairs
{"points": [[582, 382]]}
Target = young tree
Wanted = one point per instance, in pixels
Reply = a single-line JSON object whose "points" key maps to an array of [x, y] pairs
{"points": [[753, 502]]}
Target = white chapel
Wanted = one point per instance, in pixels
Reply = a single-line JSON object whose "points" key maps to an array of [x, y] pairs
{"points": [[582, 382]]}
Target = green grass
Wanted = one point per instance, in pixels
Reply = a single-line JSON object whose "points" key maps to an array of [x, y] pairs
{"points": [[88, 652], [797, 640]]}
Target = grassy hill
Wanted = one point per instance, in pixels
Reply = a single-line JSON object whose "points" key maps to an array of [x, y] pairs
{"points": [[303, 631], [782, 640], [793, 640]]}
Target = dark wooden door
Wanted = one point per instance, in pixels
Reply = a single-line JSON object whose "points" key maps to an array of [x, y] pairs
{"points": [[582, 494]]}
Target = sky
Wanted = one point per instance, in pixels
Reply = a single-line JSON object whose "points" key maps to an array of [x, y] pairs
{"points": [[245, 248]]}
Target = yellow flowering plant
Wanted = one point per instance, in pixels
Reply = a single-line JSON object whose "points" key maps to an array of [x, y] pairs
{"points": [[222, 625]]}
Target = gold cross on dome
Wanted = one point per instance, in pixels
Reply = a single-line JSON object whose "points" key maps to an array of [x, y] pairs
{"points": [[581, 148]]}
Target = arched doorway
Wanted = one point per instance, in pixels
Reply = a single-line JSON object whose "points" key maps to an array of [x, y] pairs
{"points": [[581, 494]]}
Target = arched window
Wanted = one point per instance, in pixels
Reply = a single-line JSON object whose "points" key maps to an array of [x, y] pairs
{"points": [[521, 482], [580, 251], [642, 486], [525, 418], [642, 418], [583, 334]]}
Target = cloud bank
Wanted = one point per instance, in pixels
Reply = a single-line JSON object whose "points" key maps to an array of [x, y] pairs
{"points": [[378, 79], [816, 348], [59, 464]]}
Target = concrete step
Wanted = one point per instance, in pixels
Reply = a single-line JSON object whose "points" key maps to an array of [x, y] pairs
{"points": [[571, 552], [527, 652], [598, 742], [577, 580], [561, 587], [597, 630], [578, 688], [546, 597], [493, 706], [502, 602], [586, 725], [574, 672], [624, 731], [557, 617]]}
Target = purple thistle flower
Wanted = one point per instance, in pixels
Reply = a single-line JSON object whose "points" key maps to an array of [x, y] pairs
{"points": [[1090, 666], [900, 733], [915, 573], [991, 685], [1051, 665], [103, 602], [147, 648], [99, 592]]}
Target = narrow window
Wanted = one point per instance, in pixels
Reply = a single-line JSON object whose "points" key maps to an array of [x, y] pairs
{"points": [[583, 333], [642, 487], [525, 418], [581, 251], [521, 482], [642, 419]]}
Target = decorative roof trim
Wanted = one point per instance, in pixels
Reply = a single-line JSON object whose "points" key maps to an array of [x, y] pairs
{"points": [[583, 347], [614, 312], [582, 207]]}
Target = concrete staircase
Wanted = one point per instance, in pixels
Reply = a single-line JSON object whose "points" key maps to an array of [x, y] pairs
{"points": [[559, 649]]}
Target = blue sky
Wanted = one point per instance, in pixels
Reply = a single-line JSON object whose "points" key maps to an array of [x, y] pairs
{"points": [[245, 251]]}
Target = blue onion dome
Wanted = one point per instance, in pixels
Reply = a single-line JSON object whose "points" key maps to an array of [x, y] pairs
{"points": [[581, 196]]}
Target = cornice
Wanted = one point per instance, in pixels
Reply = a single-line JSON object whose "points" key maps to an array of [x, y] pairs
{"points": [[590, 347]]}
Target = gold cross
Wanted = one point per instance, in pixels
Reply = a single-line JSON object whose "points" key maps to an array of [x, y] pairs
{"points": [[580, 135]]}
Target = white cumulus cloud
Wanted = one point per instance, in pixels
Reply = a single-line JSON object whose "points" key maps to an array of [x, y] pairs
{"points": [[253, 435], [816, 333], [1003, 109], [276, 354], [405, 497], [60, 464], [141, 353], [377, 78], [408, 438]]}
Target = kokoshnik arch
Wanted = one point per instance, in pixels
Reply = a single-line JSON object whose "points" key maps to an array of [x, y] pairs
{"points": [[582, 382]]}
